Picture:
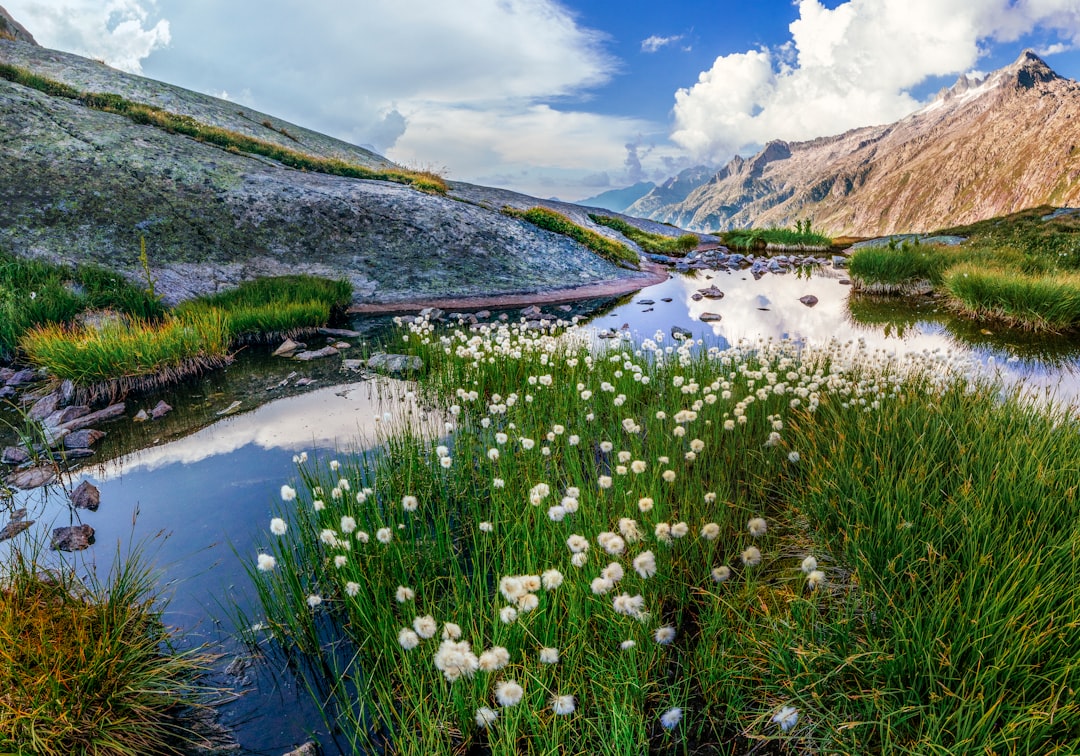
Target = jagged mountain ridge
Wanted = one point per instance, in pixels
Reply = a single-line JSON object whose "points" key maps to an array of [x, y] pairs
{"points": [[982, 148]]}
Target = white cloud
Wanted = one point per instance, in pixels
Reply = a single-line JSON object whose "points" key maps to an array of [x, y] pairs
{"points": [[116, 31], [654, 43], [849, 66]]}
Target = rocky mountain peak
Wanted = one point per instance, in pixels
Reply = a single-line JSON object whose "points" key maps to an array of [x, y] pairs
{"points": [[1027, 71], [12, 29]]}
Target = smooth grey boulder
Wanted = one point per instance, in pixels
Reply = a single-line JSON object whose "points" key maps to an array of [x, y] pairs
{"points": [[395, 364]]}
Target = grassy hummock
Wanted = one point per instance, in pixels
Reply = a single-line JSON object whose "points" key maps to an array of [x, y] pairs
{"points": [[657, 549], [1020, 270], [549, 220], [176, 123], [88, 670], [800, 238], [655, 243]]}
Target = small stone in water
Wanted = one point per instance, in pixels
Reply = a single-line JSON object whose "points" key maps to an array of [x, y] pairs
{"points": [[86, 496], [72, 538]]}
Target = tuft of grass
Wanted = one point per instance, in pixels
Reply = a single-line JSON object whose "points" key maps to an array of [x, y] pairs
{"points": [[656, 243], [88, 669], [801, 237], [1040, 302], [176, 123], [549, 220], [125, 353], [897, 264]]}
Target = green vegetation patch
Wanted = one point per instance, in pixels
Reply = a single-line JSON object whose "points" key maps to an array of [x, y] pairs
{"points": [[181, 124], [630, 552], [549, 220], [1019, 269], [655, 243], [89, 670], [33, 292], [1040, 302], [801, 237]]}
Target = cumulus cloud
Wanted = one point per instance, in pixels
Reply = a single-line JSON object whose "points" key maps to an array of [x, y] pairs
{"points": [[852, 65], [654, 43], [116, 31]]}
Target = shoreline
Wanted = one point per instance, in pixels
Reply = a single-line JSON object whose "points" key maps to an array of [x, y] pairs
{"points": [[655, 274]]}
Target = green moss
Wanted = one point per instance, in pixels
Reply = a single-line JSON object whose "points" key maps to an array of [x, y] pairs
{"points": [[654, 243]]}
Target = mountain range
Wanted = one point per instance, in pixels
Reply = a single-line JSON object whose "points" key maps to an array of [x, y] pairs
{"points": [[984, 147]]}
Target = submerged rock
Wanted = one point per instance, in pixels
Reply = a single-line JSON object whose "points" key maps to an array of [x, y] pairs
{"points": [[83, 439], [288, 347], [161, 409], [86, 496], [32, 477], [14, 455], [316, 354], [83, 421], [395, 363], [72, 538], [16, 525]]}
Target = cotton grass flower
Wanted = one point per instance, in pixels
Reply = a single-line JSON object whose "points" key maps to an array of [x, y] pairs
{"points": [[408, 639], [757, 527], [455, 660], [340, 561], [670, 718], [630, 530], [352, 588], [751, 556], [601, 585], [668, 476], [495, 658], [288, 493], [384, 535], [313, 600], [710, 531], [551, 579], [486, 527], [604, 481], [645, 504], [409, 503], [611, 543], [563, 706], [556, 513], [348, 524], [815, 579], [664, 635], [679, 530], [425, 626], [528, 602], [663, 532], [645, 564], [451, 631], [808, 565], [787, 718], [509, 693], [266, 562], [631, 606], [577, 544], [508, 615], [485, 717], [549, 656], [277, 526], [721, 574], [613, 572], [580, 559], [403, 594]]}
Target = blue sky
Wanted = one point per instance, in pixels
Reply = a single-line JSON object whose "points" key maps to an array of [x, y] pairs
{"points": [[564, 98]]}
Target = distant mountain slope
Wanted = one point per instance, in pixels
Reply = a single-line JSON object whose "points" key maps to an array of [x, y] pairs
{"points": [[618, 200], [81, 185], [982, 148]]}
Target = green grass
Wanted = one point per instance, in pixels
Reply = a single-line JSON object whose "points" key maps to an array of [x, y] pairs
{"points": [[123, 354], [549, 220], [941, 517], [786, 238], [1040, 302], [181, 124], [655, 243], [35, 292], [267, 309], [88, 669], [1018, 270]]}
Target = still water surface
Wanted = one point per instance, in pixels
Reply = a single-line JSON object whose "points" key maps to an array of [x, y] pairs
{"points": [[197, 490]]}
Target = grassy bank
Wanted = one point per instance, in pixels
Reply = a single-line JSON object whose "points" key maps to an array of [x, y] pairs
{"points": [[101, 332], [801, 237], [660, 244], [88, 670], [231, 140], [1019, 270], [549, 220], [690, 550]]}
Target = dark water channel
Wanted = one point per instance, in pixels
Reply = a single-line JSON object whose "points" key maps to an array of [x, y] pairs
{"points": [[196, 489]]}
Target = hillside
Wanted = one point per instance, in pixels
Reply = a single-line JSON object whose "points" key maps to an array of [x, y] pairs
{"points": [[78, 184], [983, 148]]}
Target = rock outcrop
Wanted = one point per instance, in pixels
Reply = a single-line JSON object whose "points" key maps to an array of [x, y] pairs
{"points": [[82, 185], [983, 148]]}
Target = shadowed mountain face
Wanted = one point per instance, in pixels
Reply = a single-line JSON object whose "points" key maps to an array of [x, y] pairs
{"points": [[982, 148], [81, 185]]}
